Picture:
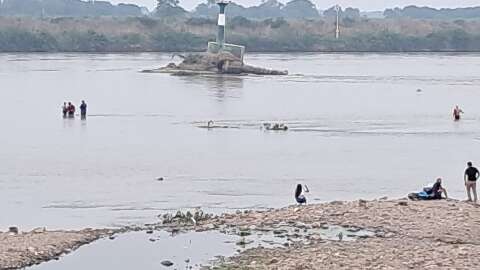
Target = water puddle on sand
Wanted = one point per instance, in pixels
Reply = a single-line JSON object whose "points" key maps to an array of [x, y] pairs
{"points": [[138, 250], [190, 250]]}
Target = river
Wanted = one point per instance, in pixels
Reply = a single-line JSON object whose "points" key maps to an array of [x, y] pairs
{"points": [[359, 128]]}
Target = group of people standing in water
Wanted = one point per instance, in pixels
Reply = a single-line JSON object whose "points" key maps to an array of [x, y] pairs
{"points": [[68, 110]]}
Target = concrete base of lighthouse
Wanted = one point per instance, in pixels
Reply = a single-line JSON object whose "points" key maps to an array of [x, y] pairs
{"points": [[237, 50]]}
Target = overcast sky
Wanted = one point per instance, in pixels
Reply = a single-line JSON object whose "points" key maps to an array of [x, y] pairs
{"points": [[324, 4]]}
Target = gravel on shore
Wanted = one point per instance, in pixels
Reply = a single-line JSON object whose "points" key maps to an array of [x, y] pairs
{"points": [[405, 235], [37, 246], [409, 235]]}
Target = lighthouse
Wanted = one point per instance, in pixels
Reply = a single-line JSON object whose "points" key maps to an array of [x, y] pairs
{"points": [[221, 23], [220, 45]]}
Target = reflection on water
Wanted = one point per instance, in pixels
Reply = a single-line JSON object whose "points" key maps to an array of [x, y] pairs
{"points": [[186, 250], [219, 86], [356, 130]]}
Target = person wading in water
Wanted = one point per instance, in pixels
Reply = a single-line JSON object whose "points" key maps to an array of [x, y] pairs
{"points": [[64, 109], [456, 113], [71, 110], [83, 110]]}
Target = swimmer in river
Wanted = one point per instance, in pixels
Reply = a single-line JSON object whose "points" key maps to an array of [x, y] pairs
{"points": [[299, 197], [210, 124], [456, 113]]}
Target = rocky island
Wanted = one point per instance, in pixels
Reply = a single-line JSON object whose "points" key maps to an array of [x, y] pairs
{"points": [[220, 58], [213, 63]]}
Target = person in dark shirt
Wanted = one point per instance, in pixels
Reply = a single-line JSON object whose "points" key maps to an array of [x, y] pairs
{"points": [[299, 197], [456, 113], [71, 110], [83, 110], [64, 109], [471, 176], [437, 190]]}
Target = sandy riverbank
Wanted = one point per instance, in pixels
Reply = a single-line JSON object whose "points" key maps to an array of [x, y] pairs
{"points": [[403, 235], [410, 235], [37, 246]]}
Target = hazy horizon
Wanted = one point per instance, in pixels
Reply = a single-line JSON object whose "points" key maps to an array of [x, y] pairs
{"points": [[372, 5]]}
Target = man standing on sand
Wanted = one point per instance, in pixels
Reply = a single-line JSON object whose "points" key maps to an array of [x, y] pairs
{"points": [[471, 176]]}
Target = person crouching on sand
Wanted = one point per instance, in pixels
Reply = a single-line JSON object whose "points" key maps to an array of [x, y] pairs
{"points": [[437, 190], [299, 197]]}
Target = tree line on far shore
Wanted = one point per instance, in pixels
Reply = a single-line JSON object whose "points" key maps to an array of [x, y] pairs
{"points": [[177, 34], [292, 9]]}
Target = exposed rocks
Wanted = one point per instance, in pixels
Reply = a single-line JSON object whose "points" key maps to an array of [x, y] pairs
{"points": [[408, 235], [208, 63], [275, 126], [167, 263], [405, 236], [13, 230], [403, 203], [39, 230], [184, 219]]}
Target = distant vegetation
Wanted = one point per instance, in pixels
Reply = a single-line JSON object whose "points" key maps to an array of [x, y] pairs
{"points": [[269, 9], [293, 9], [431, 13], [77, 26], [67, 8], [192, 34]]}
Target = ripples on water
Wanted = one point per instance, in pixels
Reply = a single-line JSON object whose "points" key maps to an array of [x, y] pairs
{"points": [[358, 128]]}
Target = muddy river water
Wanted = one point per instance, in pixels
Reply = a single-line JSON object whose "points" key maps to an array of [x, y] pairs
{"points": [[360, 126]]}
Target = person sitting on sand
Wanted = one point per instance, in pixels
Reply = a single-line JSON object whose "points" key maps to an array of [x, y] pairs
{"points": [[437, 190], [456, 113], [430, 193], [299, 197]]}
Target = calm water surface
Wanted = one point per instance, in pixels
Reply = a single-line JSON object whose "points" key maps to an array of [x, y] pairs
{"points": [[358, 129]]}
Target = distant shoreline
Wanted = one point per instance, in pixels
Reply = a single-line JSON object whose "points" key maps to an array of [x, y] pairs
{"points": [[250, 52], [145, 34]]}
